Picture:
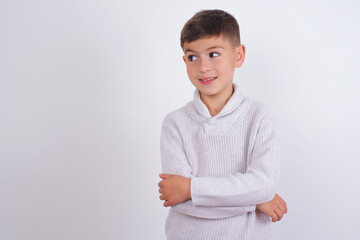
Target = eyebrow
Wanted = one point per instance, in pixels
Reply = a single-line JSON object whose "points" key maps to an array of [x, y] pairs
{"points": [[189, 50]]}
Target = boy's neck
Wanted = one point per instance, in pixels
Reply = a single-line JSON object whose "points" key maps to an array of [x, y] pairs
{"points": [[216, 102]]}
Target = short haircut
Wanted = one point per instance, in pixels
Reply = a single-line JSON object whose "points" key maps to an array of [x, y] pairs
{"points": [[208, 23]]}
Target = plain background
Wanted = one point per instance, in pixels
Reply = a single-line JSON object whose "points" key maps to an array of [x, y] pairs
{"points": [[85, 85]]}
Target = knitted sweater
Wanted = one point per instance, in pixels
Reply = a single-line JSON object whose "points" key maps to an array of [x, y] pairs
{"points": [[233, 161]]}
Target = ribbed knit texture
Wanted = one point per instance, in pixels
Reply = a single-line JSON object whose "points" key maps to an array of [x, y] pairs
{"points": [[233, 161]]}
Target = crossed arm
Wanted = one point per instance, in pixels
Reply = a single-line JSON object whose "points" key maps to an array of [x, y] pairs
{"points": [[175, 189]]}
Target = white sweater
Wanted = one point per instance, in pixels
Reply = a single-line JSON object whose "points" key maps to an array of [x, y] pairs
{"points": [[233, 161]]}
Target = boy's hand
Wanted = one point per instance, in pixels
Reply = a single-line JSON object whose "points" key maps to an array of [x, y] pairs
{"points": [[276, 208], [174, 189]]}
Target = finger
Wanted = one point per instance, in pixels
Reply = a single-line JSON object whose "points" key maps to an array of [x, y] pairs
{"points": [[166, 203], [278, 199], [162, 197], [274, 217], [160, 190], [164, 176], [282, 208], [285, 206], [283, 202], [160, 184], [279, 213]]}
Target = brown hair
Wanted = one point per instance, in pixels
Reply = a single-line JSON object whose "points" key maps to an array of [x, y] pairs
{"points": [[208, 23]]}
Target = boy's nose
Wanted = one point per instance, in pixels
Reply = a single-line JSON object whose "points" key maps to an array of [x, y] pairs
{"points": [[205, 65]]}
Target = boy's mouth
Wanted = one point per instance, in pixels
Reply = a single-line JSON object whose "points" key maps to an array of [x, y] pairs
{"points": [[207, 79]]}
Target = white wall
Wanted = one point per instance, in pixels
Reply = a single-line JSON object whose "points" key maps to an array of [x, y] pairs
{"points": [[84, 86]]}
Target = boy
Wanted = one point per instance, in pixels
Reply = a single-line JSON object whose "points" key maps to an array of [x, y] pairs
{"points": [[220, 152]]}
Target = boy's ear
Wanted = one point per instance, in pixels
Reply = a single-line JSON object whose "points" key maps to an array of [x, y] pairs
{"points": [[184, 59], [240, 55]]}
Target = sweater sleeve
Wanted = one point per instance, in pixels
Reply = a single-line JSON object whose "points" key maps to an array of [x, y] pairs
{"points": [[174, 161], [257, 185]]}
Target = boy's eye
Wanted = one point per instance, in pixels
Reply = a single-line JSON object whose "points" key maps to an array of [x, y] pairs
{"points": [[214, 54], [191, 57]]}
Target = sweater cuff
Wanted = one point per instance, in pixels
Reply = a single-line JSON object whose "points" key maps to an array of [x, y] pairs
{"points": [[196, 188]]}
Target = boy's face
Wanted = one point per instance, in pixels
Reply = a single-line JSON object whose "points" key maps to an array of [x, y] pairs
{"points": [[213, 59]]}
